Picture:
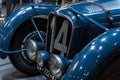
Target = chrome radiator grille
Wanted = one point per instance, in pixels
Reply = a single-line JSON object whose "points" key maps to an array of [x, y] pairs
{"points": [[59, 33]]}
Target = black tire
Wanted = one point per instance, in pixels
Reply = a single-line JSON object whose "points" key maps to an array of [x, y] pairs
{"points": [[111, 72], [18, 61]]}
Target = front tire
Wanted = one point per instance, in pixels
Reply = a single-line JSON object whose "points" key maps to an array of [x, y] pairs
{"points": [[112, 71], [18, 60], [109, 69]]}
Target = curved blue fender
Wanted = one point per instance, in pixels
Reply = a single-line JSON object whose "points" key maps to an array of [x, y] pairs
{"points": [[88, 60], [19, 16]]}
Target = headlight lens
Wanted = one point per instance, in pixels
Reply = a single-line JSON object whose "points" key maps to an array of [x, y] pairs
{"points": [[42, 58], [56, 66], [31, 49]]}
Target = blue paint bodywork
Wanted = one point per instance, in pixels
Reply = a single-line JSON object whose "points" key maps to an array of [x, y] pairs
{"points": [[90, 58], [94, 21], [102, 47], [18, 17], [83, 16], [92, 41]]}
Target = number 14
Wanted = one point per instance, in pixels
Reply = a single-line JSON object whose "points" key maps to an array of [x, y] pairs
{"points": [[62, 34]]}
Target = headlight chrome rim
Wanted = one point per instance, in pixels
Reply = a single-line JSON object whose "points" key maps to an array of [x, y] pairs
{"points": [[40, 60], [31, 49], [57, 67]]}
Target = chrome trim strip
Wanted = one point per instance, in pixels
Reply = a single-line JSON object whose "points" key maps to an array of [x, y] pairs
{"points": [[41, 16], [65, 16], [47, 31]]}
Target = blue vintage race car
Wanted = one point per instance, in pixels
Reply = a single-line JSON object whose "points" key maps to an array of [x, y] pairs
{"points": [[79, 41]]}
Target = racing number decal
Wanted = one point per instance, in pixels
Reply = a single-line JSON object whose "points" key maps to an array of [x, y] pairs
{"points": [[62, 35], [62, 47]]}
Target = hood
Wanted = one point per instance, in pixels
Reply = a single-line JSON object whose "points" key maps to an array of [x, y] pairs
{"points": [[82, 30], [91, 10]]}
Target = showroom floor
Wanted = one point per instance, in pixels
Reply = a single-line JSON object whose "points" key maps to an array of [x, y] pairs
{"points": [[8, 72]]}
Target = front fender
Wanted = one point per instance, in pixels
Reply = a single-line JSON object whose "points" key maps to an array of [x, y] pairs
{"points": [[18, 17], [89, 59]]}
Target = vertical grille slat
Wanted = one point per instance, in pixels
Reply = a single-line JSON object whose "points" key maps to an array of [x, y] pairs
{"points": [[94, 31]]}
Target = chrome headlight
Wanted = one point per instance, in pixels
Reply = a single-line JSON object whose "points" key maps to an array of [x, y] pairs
{"points": [[31, 49], [42, 58], [57, 65]]}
